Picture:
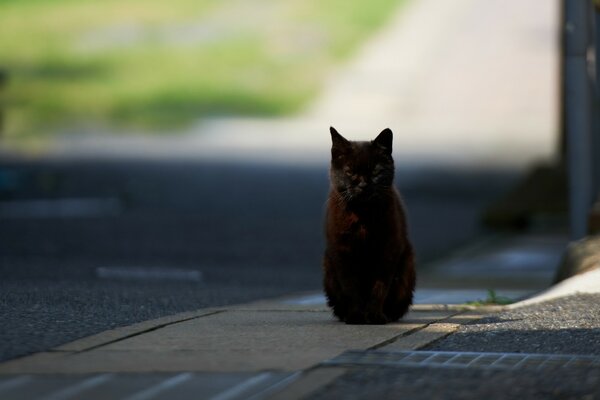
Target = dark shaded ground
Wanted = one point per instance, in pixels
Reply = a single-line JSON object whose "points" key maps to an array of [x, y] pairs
{"points": [[564, 326], [253, 231], [438, 383]]}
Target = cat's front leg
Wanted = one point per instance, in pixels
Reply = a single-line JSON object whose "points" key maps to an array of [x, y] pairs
{"points": [[356, 313], [374, 310], [355, 301]]}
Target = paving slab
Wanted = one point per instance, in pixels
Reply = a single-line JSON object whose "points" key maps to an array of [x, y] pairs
{"points": [[296, 340], [103, 338], [253, 338], [266, 349]]}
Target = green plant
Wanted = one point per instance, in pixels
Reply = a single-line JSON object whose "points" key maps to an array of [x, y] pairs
{"points": [[157, 65], [492, 299]]}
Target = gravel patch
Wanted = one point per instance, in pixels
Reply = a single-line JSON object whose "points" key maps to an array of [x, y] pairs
{"points": [[569, 325]]}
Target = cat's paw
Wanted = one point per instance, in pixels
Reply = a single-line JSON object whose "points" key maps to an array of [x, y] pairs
{"points": [[356, 318], [376, 318]]}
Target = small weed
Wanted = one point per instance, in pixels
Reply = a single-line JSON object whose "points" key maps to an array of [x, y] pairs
{"points": [[492, 299]]}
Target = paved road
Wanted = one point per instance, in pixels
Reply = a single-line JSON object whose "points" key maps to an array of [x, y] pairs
{"points": [[251, 231]]}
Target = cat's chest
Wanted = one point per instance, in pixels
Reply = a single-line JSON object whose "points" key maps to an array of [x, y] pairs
{"points": [[357, 228]]}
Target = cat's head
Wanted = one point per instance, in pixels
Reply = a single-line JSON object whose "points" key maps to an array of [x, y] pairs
{"points": [[361, 171]]}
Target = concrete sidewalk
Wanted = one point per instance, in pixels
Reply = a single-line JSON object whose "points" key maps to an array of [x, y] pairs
{"points": [[269, 335], [292, 347], [286, 350], [275, 343]]}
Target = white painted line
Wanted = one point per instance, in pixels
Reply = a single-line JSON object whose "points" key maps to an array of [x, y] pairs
{"points": [[308, 300], [71, 391], [60, 208], [155, 390], [13, 383], [149, 273], [275, 387], [240, 388]]}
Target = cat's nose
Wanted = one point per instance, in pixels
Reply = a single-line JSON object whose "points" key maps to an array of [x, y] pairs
{"points": [[362, 184]]}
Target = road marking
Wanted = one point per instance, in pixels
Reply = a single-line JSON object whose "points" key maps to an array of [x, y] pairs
{"points": [[149, 274], [155, 390], [240, 388], [76, 389], [60, 208], [308, 300], [276, 386], [13, 383]]}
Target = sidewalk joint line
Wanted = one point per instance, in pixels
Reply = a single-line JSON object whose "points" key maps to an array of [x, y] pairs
{"points": [[412, 331], [444, 336], [395, 338], [154, 328]]}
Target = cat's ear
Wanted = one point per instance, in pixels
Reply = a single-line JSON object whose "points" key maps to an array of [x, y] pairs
{"points": [[338, 142], [384, 140]]}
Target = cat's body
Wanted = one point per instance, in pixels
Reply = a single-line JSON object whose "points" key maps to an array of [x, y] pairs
{"points": [[369, 274]]}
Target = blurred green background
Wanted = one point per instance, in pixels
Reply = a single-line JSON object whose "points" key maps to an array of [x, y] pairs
{"points": [[159, 65]]}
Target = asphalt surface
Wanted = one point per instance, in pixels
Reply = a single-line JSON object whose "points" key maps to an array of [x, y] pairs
{"points": [[251, 231], [568, 325]]}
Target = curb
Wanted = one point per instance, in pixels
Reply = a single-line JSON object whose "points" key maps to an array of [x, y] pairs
{"points": [[583, 282], [580, 256]]}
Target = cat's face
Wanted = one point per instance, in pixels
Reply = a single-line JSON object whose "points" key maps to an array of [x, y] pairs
{"points": [[361, 171]]}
